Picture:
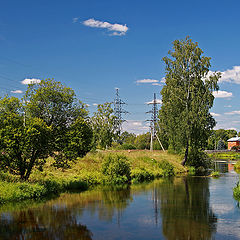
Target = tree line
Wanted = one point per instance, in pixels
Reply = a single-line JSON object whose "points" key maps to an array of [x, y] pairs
{"points": [[50, 121]]}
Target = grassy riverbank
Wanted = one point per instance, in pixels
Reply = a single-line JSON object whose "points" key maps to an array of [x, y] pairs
{"points": [[108, 167], [230, 155]]}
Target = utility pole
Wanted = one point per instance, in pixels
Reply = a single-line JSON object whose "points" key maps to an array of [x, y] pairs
{"points": [[118, 111], [153, 122]]}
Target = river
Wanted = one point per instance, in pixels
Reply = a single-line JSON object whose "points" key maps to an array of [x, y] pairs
{"points": [[177, 208]]}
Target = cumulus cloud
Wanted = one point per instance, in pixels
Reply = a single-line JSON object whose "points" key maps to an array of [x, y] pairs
{"points": [[135, 126], [30, 81], [215, 114], [222, 94], [95, 104], [233, 113], [147, 80], [156, 84], [231, 75], [115, 29], [158, 101]]}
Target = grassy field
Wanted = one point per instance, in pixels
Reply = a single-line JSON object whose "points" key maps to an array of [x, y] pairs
{"points": [[88, 171]]}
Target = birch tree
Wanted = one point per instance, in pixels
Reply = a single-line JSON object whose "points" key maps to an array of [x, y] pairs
{"points": [[187, 97]]}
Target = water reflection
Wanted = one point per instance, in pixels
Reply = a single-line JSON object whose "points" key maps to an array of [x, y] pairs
{"points": [[181, 211], [185, 210], [60, 219]]}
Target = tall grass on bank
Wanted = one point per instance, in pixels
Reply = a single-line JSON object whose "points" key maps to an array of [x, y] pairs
{"points": [[94, 169]]}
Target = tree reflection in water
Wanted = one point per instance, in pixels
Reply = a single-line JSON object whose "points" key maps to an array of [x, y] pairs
{"points": [[184, 208], [59, 219]]}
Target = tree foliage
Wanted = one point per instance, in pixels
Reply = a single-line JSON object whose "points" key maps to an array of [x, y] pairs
{"points": [[104, 126], [187, 97], [220, 134], [23, 143], [49, 121], [57, 106]]}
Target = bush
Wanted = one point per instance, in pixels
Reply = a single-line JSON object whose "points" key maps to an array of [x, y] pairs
{"points": [[141, 175], [116, 169], [236, 192], [127, 146], [198, 159], [167, 168], [236, 148], [215, 174]]}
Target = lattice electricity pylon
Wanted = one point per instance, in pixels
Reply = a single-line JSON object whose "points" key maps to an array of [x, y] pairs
{"points": [[118, 111], [153, 122]]}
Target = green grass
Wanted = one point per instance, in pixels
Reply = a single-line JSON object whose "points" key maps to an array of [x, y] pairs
{"points": [[215, 174], [88, 171], [225, 155]]}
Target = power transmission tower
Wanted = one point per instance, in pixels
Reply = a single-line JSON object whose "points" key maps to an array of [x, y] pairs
{"points": [[153, 122], [118, 111]]}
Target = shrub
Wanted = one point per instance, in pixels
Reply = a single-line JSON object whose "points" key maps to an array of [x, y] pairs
{"points": [[141, 175], [127, 146], [215, 174], [236, 148], [116, 168], [236, 192], [167, 168], [198, 159], [237, 165]]}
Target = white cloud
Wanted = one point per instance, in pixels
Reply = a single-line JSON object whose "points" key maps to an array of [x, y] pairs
{"points": [[147, 80], [136, 126], [158, 101], [156, 84], [233, 113], [94, 104], [116, 29], [222, 94], [17, 91], [74, 20], [228, 106], [231, 75], [30, 81], [215, 114]]}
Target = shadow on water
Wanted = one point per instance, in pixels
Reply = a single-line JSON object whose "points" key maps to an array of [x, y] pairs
{"points": [[181, 210]]}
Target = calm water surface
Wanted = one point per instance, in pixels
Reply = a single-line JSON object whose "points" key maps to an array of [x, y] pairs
{"points": [[179, 208]]}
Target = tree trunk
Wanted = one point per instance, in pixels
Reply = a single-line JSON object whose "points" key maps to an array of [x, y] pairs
{"points": [[186, 155]]}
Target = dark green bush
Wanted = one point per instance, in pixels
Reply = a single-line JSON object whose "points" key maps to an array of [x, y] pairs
{"points": [[168, 169], [199, 160], [127, 146], [141, 175], [116, 168]]}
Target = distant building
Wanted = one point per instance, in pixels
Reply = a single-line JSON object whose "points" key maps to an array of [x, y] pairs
{"points": [[235, 141]]}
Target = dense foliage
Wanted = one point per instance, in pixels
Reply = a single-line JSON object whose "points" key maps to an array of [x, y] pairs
{"points": [[48, 121], [187, 97]]}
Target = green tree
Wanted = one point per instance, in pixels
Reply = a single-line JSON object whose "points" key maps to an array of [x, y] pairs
{"points": [[187, 97], [23, 143], [57, 106], [104, 126], [127, 137], [142, 141], [220, 134], [67, 117]]}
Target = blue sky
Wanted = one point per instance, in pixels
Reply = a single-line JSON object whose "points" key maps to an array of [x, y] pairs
{"points": [[95, 46]]}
